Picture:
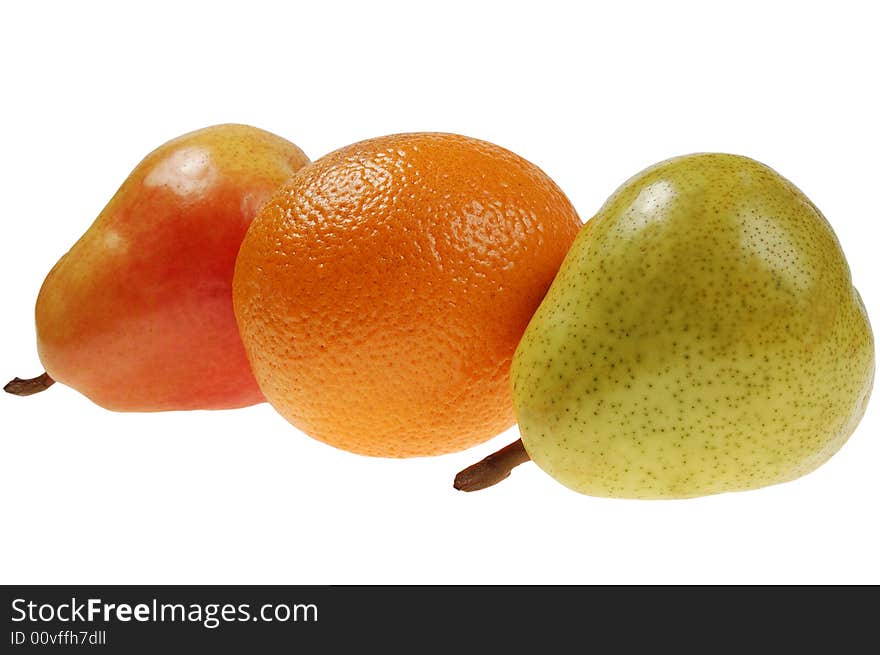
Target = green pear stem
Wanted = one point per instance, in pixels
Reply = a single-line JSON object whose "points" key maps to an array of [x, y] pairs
{"points": [[30, 386], [493, 469]]}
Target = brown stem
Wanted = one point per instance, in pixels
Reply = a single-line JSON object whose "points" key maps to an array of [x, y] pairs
{"points": [[28, 387], [493, 469]]}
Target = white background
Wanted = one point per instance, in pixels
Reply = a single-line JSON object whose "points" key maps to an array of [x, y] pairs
{"points": [[592, 95]]}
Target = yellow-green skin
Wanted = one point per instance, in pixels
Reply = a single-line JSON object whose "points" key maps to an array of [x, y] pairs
{"points": [[702, 336]]}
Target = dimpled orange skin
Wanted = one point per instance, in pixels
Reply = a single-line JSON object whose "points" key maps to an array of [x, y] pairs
{"points": [[381, 294], [138, 314]]}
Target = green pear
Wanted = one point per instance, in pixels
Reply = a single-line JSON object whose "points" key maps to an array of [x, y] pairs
{"points": [[702, 336]]}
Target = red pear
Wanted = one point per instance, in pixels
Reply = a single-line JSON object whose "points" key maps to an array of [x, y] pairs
{"points": [[138, 314]]}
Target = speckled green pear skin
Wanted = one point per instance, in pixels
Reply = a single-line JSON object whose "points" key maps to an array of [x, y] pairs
{"points": [[702, 336]]}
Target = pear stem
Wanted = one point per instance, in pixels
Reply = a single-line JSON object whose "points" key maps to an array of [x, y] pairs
{"points": [[30, 386], [493, 469]]}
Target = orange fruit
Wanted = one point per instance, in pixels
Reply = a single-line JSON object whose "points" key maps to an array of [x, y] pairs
{"points": [[382, 292]]}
